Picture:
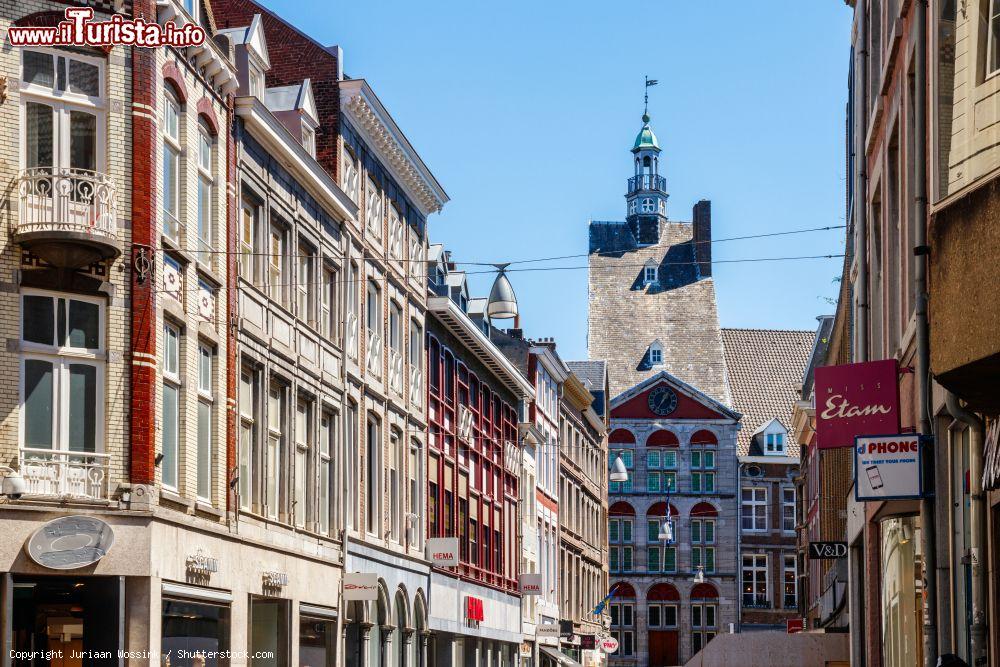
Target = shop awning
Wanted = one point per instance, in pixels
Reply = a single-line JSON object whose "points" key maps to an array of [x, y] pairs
{"points": [[560, 657]]}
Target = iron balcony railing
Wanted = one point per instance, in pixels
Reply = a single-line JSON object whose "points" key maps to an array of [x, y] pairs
{"points": [[64, 474], [756, 602], [61, 200], [647, 182]]}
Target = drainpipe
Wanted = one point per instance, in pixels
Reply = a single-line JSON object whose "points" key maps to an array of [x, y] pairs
{"points": [[856, 574], [977, 526], [927, 520]]}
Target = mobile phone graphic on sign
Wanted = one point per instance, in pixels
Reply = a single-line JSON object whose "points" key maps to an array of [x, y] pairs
{"points": [[874, 478]]}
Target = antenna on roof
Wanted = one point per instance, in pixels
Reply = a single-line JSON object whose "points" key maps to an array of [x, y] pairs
{"points": [[645, 100]]}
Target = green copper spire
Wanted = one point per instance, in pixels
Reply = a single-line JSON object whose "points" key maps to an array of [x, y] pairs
{"points": [[645, 138]]}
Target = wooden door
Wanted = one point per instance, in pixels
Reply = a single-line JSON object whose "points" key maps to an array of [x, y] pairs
{"points": [[663, 648]]}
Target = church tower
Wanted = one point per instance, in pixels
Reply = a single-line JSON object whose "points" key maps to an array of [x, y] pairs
{"points": [[646, 199]]}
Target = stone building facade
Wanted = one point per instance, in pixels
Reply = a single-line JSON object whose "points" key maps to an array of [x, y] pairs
{"points": [[583, 521], [673, 589]]}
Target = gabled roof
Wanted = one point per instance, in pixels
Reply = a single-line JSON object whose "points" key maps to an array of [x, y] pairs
{"points": [[251, 36], [765, 368], [691, 392], [296, 97]]}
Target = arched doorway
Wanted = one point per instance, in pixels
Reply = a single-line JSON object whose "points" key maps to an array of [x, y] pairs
{"points": [[704, 615], [662, 610], [418, 656], [353, 645], [398, 656]]}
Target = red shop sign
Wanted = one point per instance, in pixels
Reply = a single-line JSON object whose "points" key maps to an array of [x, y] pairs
{"points": [[474, 609], [856, 399]]}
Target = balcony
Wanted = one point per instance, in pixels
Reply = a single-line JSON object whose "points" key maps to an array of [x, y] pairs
{"points": [[755, 602], [646, 182], [68, 217], [59, 474], [395, 371]]}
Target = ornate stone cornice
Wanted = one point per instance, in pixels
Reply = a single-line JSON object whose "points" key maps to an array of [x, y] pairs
{"points": [[383, 136]]}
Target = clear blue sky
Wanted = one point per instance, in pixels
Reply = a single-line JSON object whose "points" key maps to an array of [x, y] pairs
{"points": [[525, 111]]}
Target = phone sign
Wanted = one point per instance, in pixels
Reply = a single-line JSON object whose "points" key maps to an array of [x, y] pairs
{"points": [[888, 467]]}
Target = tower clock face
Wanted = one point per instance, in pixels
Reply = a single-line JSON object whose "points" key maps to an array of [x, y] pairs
{"points": [[662, 401]]}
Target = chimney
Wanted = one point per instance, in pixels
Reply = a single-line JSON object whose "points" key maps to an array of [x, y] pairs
{"points": [[701, 216]]}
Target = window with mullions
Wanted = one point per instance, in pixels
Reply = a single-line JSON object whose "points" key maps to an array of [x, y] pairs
{"points": [[704, 624], [790, 574], [754, 508], [620, 559], [661, 615], [62, 374], [657, 482], [993, 39], [172, 149], [626, 642], [620, 531], [661, 559], [206, 185], [755, 589], [171, 409], [702, 539], [788, 509], [206, 403]]}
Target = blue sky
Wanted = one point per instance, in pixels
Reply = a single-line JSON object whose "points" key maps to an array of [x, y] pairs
{"points": [[525, 112]]}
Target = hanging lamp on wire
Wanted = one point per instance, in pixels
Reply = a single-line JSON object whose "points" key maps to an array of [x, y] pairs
{"points": [[502, 304]]}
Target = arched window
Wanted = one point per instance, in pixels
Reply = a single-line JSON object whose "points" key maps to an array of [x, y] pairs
{"points": [[622, 611], [661, 463], [661, 606], [173, 146], [704, 615]]}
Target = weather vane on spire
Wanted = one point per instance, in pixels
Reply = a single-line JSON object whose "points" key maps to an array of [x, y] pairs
{"points": [[649, 82]]}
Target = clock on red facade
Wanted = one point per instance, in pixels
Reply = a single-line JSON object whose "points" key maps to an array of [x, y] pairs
{"points": [[662, 401]]}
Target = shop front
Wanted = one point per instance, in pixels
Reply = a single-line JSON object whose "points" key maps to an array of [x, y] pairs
{"points": [[473, 625]]}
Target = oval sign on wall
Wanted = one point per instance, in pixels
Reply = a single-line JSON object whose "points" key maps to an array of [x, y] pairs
{"points": [[70, 542], [608, 644]]}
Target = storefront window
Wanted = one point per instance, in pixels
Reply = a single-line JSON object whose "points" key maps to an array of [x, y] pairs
{"points": [[317, 641], [269, 632], [901, 608], [192, 629]]}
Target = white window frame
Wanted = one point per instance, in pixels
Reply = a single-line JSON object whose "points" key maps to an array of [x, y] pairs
{"points": [[787, 504], [171, 366], [758, 522], [785, 581], [205, 195], [62, 103], [277, 240], [249, 223], [993, 14], [309, 139], [305, 301], [302, 454], [61, 357], [273, 454], [758, 574], [173, 146], [248, 435], [326, 475], [395, 232], [351, 176], [649, 274], [206, 400], [373, 210]]}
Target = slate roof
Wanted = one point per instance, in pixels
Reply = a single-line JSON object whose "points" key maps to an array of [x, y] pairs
{"points": [[592, 374], [679, 310], [766, 368]]}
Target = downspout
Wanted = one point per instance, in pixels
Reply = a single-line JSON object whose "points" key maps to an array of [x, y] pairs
{"points": [[856, 575], [977, 526], [928, 530]]}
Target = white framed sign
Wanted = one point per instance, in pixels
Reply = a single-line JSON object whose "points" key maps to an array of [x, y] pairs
{"points": [[360, 586], [887, 467], [547, 630], [608, 644], [530, 583], [443, 551]]}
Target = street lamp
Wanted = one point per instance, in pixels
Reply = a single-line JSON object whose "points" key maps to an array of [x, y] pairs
{"points": [[666, 530], [502, 304], [619, 473]]}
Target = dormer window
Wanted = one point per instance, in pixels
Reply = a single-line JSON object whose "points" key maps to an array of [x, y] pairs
{"points": [[309, 140], [655, 354], [650, 273], [775, 443]]}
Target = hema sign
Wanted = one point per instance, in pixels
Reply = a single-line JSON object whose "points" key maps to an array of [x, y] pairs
{"points": [[530, 583], [856, 399], [443, 551], [887, 467]]}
